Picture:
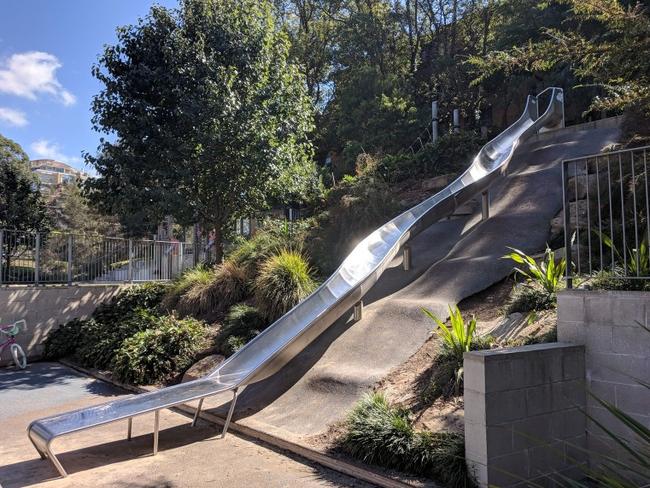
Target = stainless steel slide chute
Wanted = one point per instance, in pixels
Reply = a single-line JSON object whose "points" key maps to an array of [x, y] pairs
{"points": [[290, 334]]}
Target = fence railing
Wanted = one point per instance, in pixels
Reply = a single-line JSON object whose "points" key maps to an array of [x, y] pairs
{"points": [[607, 214], [54, 257]]}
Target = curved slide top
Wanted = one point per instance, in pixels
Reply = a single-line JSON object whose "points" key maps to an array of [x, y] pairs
{"points": [[290, 334]]}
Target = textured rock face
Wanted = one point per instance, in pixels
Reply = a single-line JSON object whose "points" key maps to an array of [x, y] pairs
{"points": [[203, 367]]}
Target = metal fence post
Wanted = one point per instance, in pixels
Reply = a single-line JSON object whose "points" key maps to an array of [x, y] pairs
{"points": [[130, 271], [2, 247], [37, 258], [69, 259], [567, 225]]}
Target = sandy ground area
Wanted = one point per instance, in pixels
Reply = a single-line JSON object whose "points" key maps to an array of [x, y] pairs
{"points": [[187, 457]]}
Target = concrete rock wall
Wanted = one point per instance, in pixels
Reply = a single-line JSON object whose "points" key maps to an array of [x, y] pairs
{"points": [[45, 308]]}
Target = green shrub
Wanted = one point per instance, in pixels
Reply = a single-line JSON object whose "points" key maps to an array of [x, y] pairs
{"points": [[99, 340], [458, 338], [190, 278], [529, 298], [614, 280], [284, 280], [152, 355], [93, 341], [241, 324], [382, 434], [548, 273], [251, 253], [226, 286], [62, 341]]}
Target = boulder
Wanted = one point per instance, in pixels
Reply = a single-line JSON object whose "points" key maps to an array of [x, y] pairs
{"points": [[203, 367]]}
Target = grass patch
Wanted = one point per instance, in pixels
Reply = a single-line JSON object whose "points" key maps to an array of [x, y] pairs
{"points": [[527, 298], [199, 275], [382, 434], [284, 280]]}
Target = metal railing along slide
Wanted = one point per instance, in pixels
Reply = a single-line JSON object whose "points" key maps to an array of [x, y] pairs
{"points": [[290, 334], [607, 214]]}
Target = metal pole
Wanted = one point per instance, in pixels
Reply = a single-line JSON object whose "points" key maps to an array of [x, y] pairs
{"points": [[434, 121], [358, 311], [130, 268], [129, 430], [456, 121], [2, 236], [37, 258], [230, 412], [197, 413], [567, 228], [156, 425], [406, 258], [485, 205], [69, 259]]}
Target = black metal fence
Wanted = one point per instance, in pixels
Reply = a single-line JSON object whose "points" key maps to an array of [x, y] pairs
{"points": [[607, 214]]}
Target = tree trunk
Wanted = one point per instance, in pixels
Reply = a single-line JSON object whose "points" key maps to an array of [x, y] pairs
{"points": [[218, 244]]}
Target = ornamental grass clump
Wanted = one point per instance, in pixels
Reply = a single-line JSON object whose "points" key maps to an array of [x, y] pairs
{"points": [[284, 280], [197, 276], [168, 347], [548, 273], [224, 286], [383, 434]]}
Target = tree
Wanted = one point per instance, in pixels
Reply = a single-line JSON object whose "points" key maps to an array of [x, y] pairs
{"points": [[21, 204], [209, 116]]}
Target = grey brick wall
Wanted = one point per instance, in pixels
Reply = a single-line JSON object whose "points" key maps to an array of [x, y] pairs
{"points": [[617, 356], [46, 307], [522, 417]]}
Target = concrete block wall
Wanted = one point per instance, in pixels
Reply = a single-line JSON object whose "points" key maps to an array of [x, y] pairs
{"points": [[522, 417], [46, 307], [608, 324]]}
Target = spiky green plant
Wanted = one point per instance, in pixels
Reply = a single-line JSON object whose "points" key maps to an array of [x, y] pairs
{"points": [[284, 280], [547, 273], [458, 338], [636, 262]]}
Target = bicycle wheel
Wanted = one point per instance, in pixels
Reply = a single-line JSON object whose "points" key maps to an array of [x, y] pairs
{"points": [[20, 360]]}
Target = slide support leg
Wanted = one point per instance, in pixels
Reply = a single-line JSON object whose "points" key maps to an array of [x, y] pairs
{"points": [[156, 426], [358, 311], [485, 205], [198, 411], [129, 429], [406, 258], [230, 412]]}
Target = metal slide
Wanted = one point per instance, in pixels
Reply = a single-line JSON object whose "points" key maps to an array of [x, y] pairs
{"points": [[294, 331]]}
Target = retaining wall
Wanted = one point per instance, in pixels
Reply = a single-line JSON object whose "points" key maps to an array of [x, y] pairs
{"points": [[45, 308], [608, 324], [522, 413]]}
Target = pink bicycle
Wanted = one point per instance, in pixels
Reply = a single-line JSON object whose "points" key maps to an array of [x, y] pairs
{"points": [[17, 353]]}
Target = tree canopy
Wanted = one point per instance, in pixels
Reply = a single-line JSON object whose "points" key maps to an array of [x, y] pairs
{"points": [[207, 116], [21, 204]]}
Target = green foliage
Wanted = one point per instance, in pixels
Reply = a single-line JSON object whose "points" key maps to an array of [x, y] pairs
{"points": [[93, 342], [168, 346], [283, 281], [458, 338], [614, 280], [62, 341], [451, 153], [354, 208], [447, 376], [636, 261], [199, 275], [383, 434], [548, 273], [241, 324], [223, 287], [251, 253], [529, 298], [166, 81]]}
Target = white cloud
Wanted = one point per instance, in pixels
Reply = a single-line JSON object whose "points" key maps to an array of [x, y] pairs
{"points": [[13, 117], [44, 149], [32, 73]]}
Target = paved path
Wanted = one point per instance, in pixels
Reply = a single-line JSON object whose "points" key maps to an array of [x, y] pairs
{"points": [[188, 457]]}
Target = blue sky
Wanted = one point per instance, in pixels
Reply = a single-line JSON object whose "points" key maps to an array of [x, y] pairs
{"points": [[47, 48]]}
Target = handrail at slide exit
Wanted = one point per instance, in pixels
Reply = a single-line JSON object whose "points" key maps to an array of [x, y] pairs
{"points": [[291, 333]]}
